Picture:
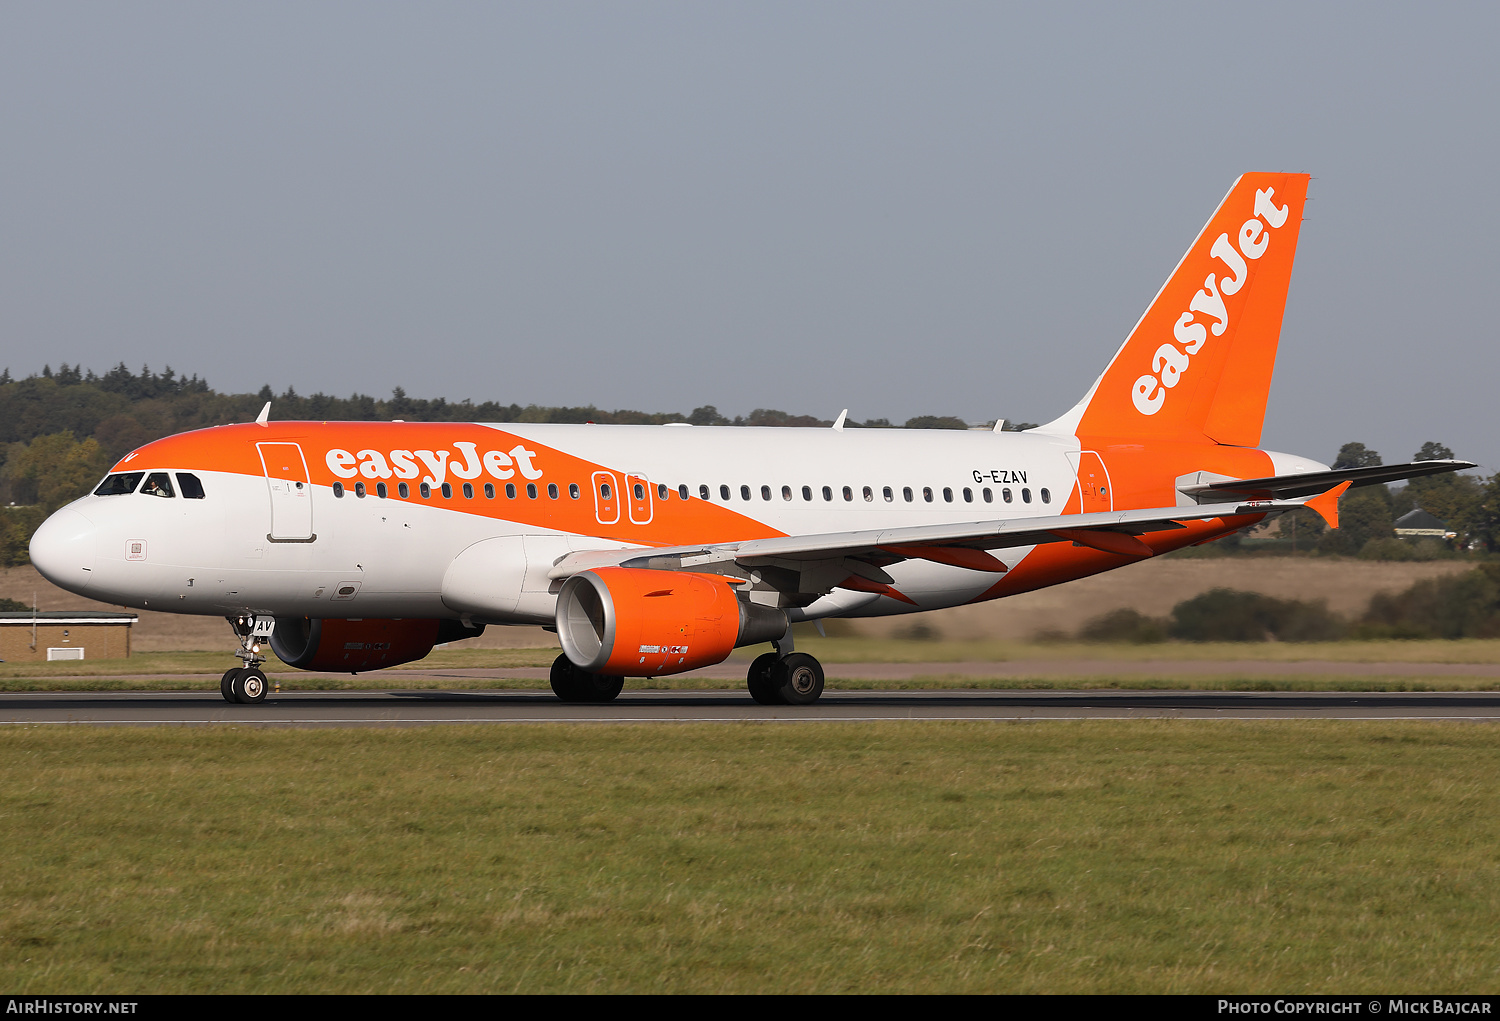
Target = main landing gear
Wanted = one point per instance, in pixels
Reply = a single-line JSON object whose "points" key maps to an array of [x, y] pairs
{"points": [[785, 677], [245, 684], [574, 685]]}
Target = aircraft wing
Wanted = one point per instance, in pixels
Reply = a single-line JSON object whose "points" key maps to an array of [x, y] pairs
{"points": [[965, 544], [1286, 487]]}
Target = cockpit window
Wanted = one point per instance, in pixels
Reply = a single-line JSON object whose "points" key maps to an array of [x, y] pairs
{"points": [[158, 484], [191, 488], [119, 485]]}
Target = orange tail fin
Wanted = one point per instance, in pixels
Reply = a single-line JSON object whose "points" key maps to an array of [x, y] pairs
{"points": [[1199, 362]]}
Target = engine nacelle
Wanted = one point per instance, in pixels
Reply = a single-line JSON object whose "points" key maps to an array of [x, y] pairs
{"points": [[355, 645], [634, 622]]}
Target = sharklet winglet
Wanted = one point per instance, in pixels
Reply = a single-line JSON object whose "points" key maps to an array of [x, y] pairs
{"points": [[1326, 505]]}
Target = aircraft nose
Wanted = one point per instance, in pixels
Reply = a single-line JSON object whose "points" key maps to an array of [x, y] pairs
{"points": [[62, 549]]}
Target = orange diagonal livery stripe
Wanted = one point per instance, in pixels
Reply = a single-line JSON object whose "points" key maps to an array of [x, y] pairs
{"points": [[456, 453]]}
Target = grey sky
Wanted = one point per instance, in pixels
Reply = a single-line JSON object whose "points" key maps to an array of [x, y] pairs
{"points": [[896, 208]]}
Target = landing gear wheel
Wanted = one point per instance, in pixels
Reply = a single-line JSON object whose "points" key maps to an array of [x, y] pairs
{"points": [[226, 684], [798, 679], [759, 679], [574, 685], [249, 686]]}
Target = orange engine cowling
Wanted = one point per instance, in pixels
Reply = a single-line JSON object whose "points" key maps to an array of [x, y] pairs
{"points": [[355, 645], [635, 622]]}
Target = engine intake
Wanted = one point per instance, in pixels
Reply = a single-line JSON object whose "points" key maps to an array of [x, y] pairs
{"points": [[636, 622], [310, 643]]}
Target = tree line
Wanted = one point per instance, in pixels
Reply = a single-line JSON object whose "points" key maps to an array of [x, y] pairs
{"points": [[61, 430]]}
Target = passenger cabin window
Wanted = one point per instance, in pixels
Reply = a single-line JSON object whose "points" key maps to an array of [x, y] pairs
{"points": [[447, 490], [827, 493], [702, 492], [359, 490], [724, 493], [119, 485], [765, 492], [947, 494], [906, 494], [1046, 496], [380, 490], [744, 492], [573, 491], [189, 486], [158, 484], [404, 490], [338, 490], [807, 493], [682, 491]]}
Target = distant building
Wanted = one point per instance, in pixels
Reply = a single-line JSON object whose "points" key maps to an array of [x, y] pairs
{"points": [[64, 634], [1415, 524]]}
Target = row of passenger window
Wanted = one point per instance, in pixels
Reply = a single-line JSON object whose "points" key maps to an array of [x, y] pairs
{"points": [[404, 491], [887, 493], [157, 484], [664, 492]]}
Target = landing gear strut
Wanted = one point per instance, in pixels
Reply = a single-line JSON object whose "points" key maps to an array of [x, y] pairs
{"points": [[574, 685], [785, 677], [245, 684]]}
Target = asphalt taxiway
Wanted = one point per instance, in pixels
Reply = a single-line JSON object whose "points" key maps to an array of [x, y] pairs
{"points": [[413, 708]]}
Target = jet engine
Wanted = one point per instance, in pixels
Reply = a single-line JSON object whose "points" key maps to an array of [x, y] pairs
{"points": [[635, 622], [355, 645]]}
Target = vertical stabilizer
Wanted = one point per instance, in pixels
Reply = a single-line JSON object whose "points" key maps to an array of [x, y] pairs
{"points": [[1198, 364]]}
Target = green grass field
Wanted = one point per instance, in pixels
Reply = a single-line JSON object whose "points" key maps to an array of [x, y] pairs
{"points": [[200, 671], [1150, 856]]}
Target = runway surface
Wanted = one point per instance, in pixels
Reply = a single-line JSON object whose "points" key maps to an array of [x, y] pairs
{"points": [[412, 708]]}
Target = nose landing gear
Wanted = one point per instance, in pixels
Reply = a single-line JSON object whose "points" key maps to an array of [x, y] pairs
{"points": [[245, 684]]}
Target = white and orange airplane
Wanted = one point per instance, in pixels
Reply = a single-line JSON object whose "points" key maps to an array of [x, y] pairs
{"points": [[658, 549]]}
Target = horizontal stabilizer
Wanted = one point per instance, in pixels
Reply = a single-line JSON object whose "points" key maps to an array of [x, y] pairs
{"points": [[1291, 487]]}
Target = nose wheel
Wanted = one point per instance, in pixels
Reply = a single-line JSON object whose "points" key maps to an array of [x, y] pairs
{"points": [[245, 685]]}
